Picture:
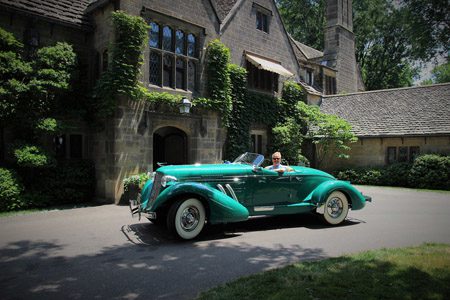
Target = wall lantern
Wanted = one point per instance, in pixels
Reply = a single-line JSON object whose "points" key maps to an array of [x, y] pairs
{"points": [[185, 106]]}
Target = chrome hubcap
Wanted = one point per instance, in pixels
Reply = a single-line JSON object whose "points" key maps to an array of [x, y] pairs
{"points": [[190, 218], [335, 207]]}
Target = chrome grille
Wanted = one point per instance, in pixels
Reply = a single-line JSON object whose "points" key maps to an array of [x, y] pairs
{"points": [[156, 188]]}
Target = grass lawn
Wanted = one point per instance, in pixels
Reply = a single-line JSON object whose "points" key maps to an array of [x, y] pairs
{"points": [[408, 273]]}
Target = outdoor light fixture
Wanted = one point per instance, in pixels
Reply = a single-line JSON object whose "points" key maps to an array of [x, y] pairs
{"points": [[185, 106]]}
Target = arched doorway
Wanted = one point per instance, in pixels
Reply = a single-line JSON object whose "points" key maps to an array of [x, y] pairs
{"points": [[169, 146]]}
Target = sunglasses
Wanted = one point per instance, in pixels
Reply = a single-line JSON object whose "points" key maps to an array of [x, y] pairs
{"points": [[275, 158]]}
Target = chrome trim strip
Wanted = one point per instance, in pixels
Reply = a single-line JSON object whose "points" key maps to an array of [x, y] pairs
{"points": [[221, 188], [230, 189], [263, 208]]}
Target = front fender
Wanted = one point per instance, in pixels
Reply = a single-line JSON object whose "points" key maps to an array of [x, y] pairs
{"points": [[321, 193], [222, 208]]}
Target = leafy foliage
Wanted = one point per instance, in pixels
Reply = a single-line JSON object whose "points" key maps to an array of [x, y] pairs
{"points": [[10, 190], [29, 90], [431, 171], [121, 78], [304, 20], [71, 181], [305, 122], [218, 84], [440, 74], [238, 136], [32, 156], [390, 37]]}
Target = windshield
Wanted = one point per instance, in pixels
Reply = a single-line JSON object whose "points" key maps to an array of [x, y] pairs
{"points": [[253, 159]]}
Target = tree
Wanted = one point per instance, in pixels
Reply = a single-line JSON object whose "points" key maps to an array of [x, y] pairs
{"points": [[440, 74], [306, 123], [391, 37], [30, 92], [304, 20]]}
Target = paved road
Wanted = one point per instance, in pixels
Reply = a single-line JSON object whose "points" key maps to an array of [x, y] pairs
{"points": [[101, 253]]}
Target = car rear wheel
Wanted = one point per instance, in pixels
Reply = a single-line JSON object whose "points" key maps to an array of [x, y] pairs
{"points": [[336, 208], [186, 218]]}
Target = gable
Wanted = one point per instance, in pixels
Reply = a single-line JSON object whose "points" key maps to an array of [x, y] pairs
{"points": [[241, 35]]}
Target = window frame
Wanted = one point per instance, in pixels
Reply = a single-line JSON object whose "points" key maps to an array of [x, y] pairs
{"points": [[261, 80], [169, 77]]}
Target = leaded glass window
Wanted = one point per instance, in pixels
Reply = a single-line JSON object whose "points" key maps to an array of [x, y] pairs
{"points": [[168, 70], [180, 74], [154, 35], [167, 38], [179, 42], [191, 45], [155, 68], [192, 73]]}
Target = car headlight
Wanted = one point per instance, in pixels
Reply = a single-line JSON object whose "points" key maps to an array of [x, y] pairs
{"points": [[166, 179]]}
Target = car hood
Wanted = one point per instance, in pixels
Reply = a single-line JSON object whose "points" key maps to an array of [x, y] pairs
{"points": [[205, 170], [181, 171]]}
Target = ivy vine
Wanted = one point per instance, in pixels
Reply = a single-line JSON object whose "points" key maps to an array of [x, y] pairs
{"points": [[121, 78], [219, 84]]}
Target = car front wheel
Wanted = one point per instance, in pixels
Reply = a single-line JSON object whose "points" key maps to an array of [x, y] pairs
{"points": [[186, 218], [336, 208]]}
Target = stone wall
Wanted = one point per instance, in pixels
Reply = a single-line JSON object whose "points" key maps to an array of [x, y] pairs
{"points": [[240, 34], [339, 50], [367, 152], [125, 146]]}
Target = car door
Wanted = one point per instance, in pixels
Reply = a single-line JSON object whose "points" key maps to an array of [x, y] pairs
{"points": [[271, 188]]}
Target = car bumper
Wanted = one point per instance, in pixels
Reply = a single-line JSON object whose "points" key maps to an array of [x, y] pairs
{"points": [[367, 198], [135, 209]]}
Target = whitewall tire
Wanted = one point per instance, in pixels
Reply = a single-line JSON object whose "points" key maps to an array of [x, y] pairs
{"points": [[335, 208], [186, 218]]}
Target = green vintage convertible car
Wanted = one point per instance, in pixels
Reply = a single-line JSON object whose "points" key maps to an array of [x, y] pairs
{"points": [[186, 197]]}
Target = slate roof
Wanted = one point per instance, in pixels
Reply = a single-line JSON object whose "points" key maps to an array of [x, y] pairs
{"points": [[415, 111], [71, 12], [309, 52]]}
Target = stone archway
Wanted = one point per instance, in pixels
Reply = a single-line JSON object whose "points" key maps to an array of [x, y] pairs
{"points": [[169, 146]]}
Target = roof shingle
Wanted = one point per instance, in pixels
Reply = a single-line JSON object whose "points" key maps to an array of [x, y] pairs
{"points": [[66, 11], [415, 111]]}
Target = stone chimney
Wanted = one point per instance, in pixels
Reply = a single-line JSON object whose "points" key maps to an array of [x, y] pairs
{"points": [[339, 50]]}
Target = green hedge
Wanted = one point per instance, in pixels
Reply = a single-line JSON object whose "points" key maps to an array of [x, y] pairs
{"points": [[431, 171], [10, 190], [71, 181], [428, 171]]}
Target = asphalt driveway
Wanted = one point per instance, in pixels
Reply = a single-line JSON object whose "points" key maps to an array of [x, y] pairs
{"points": [[101, 253]]}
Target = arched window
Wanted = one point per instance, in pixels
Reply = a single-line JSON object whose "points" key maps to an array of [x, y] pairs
{"points": [[180, 74], [192, 73], [191, 45], [154, 35], [155, 68], [179, 42], [167, 38], [168, 70]]}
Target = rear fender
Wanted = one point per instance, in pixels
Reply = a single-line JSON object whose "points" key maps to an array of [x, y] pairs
{"points": [[222, 208], [320, 193]]}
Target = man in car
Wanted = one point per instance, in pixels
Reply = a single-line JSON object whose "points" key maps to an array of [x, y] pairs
{"points": [[277, 166]]}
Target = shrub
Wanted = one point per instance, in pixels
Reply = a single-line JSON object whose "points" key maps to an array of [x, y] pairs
{"points": [[32, 156], [430, 171], [351, 175], [10, 190], [427, 171], [135, 181], [396, 175], [71, 181]]}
